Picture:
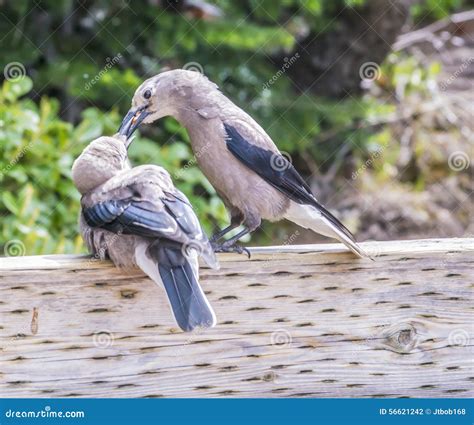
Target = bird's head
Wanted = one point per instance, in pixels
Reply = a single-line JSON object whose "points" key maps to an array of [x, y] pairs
{"points": [[164, 94], [99, 161]]}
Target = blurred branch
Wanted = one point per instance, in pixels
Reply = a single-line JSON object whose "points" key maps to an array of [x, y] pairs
{"points": [[394, 118], [457, 24]]}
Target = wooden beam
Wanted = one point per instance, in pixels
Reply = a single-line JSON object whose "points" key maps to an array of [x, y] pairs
{"points": [[294, 321]]}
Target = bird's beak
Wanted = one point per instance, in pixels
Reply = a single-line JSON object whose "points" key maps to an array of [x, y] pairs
{"points": [[132, 120]]}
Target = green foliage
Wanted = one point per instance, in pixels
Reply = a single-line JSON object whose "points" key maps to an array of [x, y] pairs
{"points": [[407, 75], [413, 82], [87, 59], [39, 204], [436, 9]]}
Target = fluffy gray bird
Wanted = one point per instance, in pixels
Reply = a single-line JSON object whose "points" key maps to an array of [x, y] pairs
{"points": [[136, 217], [236, 155]]}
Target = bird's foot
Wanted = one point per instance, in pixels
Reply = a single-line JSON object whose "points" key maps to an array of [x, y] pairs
{"points": [[225, 247]]}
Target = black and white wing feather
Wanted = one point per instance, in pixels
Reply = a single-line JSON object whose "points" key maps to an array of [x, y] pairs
{"points": [[276, 170]]}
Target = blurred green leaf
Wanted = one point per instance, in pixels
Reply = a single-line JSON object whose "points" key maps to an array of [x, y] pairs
{"points": [[10, 202], [15, 88]]}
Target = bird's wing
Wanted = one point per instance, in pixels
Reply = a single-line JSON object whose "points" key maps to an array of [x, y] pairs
{"points": [[143, 202], [263, 158]]}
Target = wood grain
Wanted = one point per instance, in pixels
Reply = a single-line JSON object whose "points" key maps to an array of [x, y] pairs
{"points": [[294, 321]]}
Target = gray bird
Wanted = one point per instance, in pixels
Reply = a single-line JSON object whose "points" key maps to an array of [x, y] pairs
{"points": [[237, 156], [136, 217]]}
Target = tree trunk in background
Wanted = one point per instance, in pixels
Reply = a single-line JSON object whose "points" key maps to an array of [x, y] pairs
{"points": [[358, 36]]}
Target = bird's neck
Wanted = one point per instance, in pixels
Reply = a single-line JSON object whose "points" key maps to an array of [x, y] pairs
{"points": [[199, 129]]}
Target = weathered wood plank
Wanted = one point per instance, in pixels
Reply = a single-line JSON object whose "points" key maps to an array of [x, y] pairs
{"points": [[293, 321]]}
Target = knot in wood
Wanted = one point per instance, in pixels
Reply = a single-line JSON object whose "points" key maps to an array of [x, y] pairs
{"points": [[269, 376], [401, 337]]}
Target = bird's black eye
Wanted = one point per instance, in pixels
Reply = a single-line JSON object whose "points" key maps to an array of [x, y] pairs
{"points": [[147, 94]]}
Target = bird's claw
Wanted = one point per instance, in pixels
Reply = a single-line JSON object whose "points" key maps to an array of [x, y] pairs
{"points": [[232, 248]]}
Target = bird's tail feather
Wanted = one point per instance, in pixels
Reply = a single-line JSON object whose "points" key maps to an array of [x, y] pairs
{"points": [[347, 241], [309, 217], [179, 275], [188, 302]]}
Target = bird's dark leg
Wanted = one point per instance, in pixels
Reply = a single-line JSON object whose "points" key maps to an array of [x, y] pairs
{"points": [[234, 239], [229, 245], [221, 233], [236, 219]]}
